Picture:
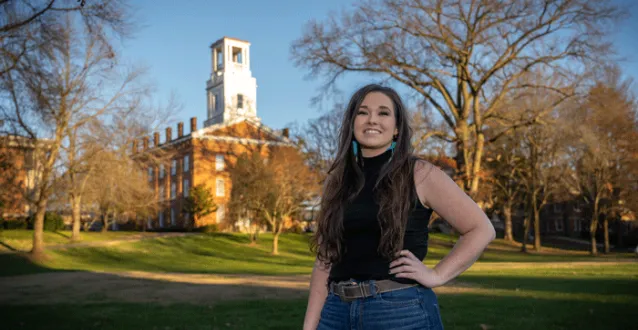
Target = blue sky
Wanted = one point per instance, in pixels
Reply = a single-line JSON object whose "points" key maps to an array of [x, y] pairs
{"points": [[176, 35]]}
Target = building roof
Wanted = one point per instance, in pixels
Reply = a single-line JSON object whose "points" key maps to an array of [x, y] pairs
{"points": [[225, 130], [219, 41]]}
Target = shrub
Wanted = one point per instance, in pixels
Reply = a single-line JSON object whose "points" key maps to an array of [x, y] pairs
{"points": [[15, 224], [295, 229], [214, 228], [53, 221]]}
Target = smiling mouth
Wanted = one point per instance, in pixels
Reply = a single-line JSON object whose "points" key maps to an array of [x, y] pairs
{"points": [[371, 131]]}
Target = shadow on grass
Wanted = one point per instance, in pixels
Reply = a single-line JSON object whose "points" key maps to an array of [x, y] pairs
{"points": [[14, 264], [11, 248], [62, 234], [111, 302], [598, 286]]}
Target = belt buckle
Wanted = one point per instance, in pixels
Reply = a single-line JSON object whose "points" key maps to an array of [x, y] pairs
{"points": [[341, 290]]}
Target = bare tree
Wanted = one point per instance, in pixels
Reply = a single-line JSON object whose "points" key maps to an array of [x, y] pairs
{"points": [[463, 57], [318, 140], [26, 25], [275, 187], [506, 163], [604, 152], [58, 89]]}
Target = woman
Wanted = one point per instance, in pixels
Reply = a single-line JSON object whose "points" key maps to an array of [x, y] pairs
{"points": [[372, 230]]}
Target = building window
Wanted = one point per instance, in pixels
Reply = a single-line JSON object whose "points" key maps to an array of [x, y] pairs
{"points": [[559, 225], [238, 55], [185, 187], [220, 187], [558, 207], [211, 103], [220, 213], [220, 58], [174, 167], [29, 159], [161, 174], [161, 219], [173, 190], [149, 222], [150, 174], [217, 103], [162, 193], [240, 101], [186, 163], [219, 162], [172, 217]]}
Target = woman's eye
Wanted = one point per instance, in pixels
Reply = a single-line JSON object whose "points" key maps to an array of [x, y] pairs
{"points": [[361, 112], [385, 113]]}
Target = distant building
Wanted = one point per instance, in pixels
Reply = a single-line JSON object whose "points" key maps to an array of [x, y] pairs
{"points": [[19, 175], [203, 155]]}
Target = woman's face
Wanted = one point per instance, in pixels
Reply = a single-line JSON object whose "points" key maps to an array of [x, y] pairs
{"points": [[375, 124]]}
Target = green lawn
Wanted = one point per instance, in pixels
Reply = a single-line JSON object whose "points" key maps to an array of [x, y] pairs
{"points": [[504, 290], [231, 254], [22, 240]]}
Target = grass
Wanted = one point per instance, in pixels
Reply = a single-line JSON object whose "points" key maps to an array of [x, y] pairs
{"points": [[222, 253], [22, 240], [504, 290]]}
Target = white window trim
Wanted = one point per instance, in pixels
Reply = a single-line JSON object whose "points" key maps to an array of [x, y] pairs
{"points": [[220, 213], [219, 162], [220, 192]]}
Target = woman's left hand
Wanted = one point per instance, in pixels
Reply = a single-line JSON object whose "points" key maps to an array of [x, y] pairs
{"points": [[409, 266]]}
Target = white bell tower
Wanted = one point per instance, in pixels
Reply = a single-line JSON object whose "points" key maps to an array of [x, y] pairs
{"points": [[231, 91]]}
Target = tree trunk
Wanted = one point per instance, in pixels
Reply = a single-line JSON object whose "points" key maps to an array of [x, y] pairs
{"points": [[38, 229], [75, 215], [105, 220], [593, 225], [476, 164], [525, 232], [254, 235], [462, 155], [507, 212], [537, 230], [275, 239], [606, 232]]}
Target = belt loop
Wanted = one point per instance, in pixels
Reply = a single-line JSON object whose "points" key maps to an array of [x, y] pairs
{"points": [[373, 288]]}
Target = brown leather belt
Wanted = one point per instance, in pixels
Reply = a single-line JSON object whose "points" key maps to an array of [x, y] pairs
{"points": [[351, 290]]}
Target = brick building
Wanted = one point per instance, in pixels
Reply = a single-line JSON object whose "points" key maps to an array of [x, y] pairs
{"points": [[18, 175], [202, 156]]}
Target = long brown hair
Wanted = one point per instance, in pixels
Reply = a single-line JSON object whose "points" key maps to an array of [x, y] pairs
{"points": [[393, 190]]}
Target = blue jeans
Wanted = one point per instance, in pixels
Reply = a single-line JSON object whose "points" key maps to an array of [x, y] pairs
{"points": [[410, 308]]}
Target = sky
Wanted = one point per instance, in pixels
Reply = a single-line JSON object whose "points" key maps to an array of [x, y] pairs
{"points": [[174, 39]]}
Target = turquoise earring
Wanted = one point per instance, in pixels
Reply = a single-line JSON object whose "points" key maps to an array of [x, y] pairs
{"points": [[354, 147]]}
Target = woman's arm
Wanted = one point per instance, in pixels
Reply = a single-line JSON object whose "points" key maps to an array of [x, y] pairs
{"points": [[318, 294], [437, 190]]}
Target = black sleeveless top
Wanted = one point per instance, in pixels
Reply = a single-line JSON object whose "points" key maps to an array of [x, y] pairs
{"points": [[362, 233]]}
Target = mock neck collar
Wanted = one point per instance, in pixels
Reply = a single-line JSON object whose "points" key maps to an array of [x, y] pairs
{"points": [[376, 162]]}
